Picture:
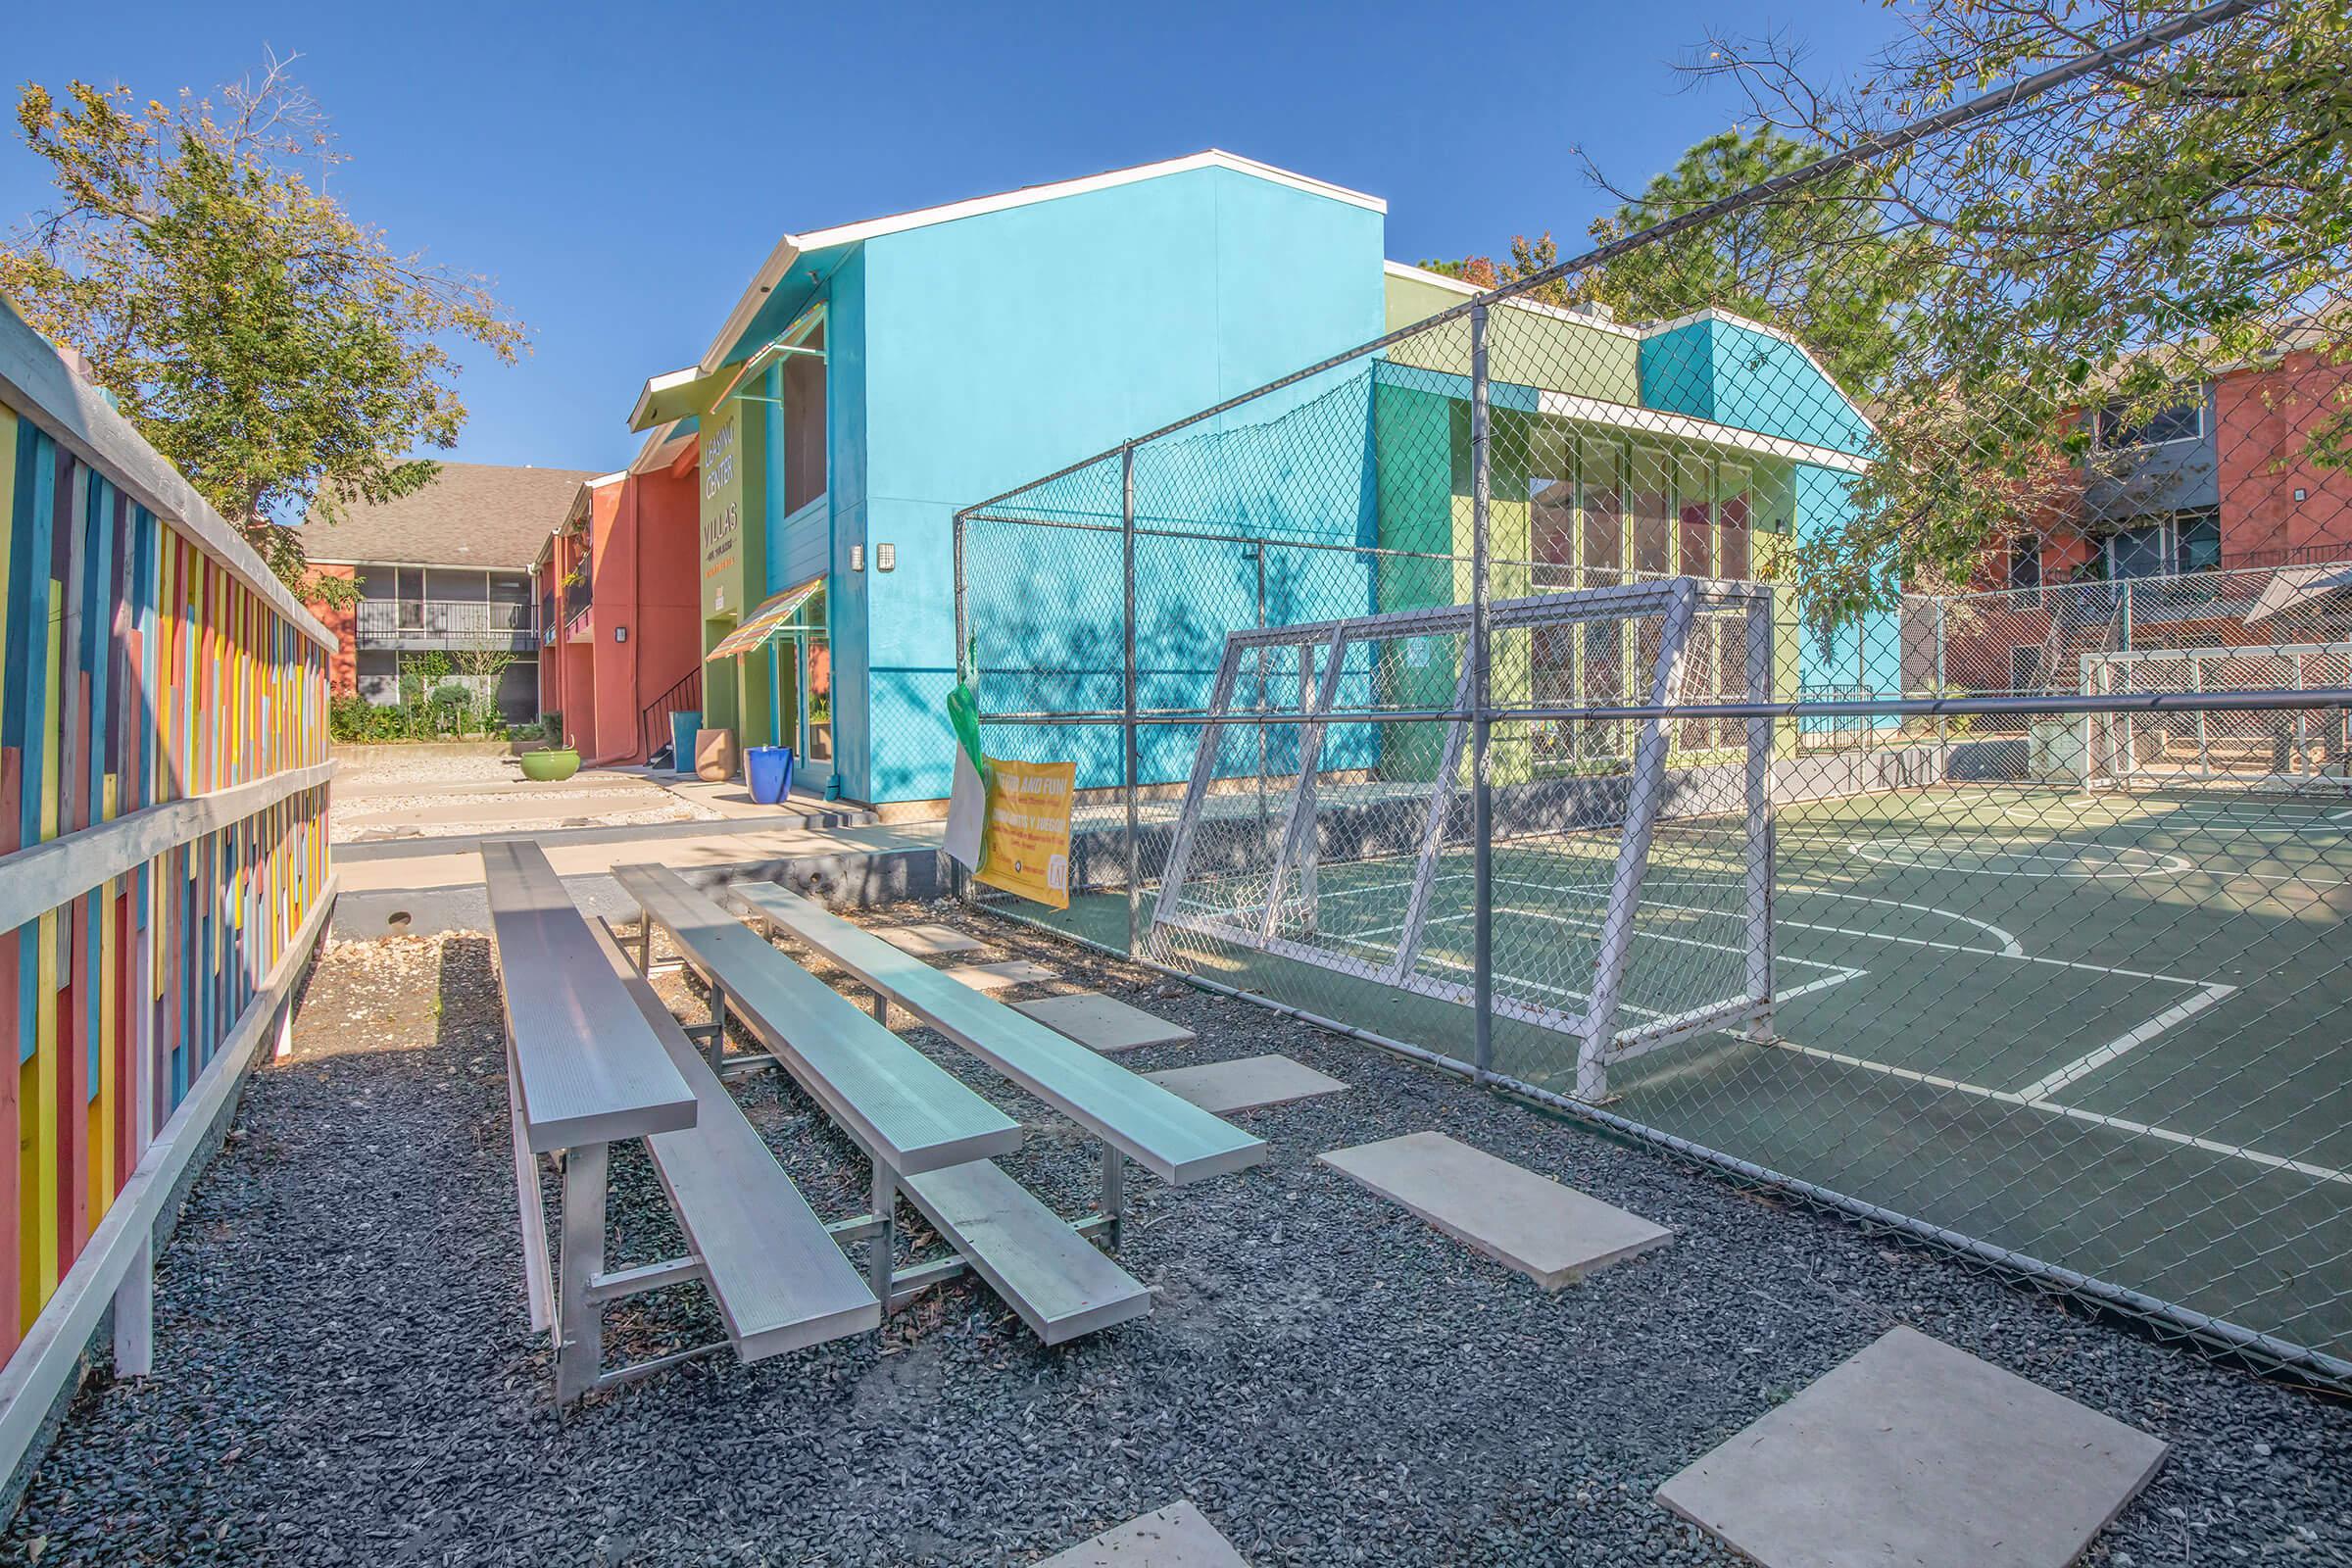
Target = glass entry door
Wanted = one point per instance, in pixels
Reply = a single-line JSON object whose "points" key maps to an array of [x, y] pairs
{"points": [[815, 653]]}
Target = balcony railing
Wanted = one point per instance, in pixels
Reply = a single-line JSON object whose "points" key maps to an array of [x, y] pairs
{"points": [[441, 623]]}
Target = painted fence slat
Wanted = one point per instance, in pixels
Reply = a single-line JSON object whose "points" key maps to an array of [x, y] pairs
{"points": [[162, 847]]}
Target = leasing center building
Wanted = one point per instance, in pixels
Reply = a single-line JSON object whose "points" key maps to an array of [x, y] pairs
{"points": [[877, 376]]}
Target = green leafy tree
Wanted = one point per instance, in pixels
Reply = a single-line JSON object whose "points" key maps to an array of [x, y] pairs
{"points": [[1528, 258], [2121, 240], [275, 349], [1820, 262]]}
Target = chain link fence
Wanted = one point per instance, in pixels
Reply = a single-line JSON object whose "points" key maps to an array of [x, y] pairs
{"points": [[1501, 692]]}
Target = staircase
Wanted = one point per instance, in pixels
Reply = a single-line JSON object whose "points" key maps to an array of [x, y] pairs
{"points": [[2078, 625], [652, 724]]}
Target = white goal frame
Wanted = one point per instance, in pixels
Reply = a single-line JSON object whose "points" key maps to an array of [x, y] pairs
{"points": [[1322, 651], [2109, 742]]}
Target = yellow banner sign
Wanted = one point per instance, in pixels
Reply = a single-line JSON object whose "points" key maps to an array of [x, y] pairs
{"points": [[1026, 847]]}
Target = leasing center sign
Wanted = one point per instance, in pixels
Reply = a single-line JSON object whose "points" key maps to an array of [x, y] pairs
{"points": [[722, 461]]}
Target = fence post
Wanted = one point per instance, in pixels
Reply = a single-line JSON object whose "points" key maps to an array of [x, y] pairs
{"points": [[1482, 705], [1942, 690], [1127, 701]]}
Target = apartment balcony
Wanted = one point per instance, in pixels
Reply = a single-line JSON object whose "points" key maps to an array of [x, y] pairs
{"points": [[579, 621], [417, 626]]}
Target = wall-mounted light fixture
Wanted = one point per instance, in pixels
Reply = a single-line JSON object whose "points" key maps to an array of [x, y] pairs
{"points": [[2301, 495], [857, 558], [620, 634], [886, 557]]}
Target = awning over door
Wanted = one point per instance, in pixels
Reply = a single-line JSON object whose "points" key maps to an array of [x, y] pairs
{"points": [[771, 618], [2294, 586]]}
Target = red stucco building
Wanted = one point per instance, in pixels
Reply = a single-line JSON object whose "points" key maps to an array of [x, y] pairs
{"points": [[620, 610]]}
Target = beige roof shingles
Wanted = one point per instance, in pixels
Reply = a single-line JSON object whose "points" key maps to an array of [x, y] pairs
{"points": [[472, 515]]}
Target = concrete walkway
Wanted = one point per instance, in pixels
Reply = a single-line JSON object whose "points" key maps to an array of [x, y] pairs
{"points": [[441, 888]]}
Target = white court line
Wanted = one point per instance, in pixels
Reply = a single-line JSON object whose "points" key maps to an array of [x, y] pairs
{"points": [[2011, 947], [2094, 1119], [2132, 1040], [1838, 973], [1887, 852], [2090, 1061]]}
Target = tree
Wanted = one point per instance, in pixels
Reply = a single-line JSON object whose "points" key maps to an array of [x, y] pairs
{"points": [[2115, 242], [483, 670], [1819, 262], [1528, 258], [281, 354]]}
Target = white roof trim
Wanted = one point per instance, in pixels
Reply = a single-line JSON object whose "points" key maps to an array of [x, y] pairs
{"points": [[660, 383], [603, 479], [1422, 275], [793, 246], [657, 440], [1686, 427]]}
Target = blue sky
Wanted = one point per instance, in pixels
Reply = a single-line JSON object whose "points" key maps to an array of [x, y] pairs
{"points": [[620, 171]]}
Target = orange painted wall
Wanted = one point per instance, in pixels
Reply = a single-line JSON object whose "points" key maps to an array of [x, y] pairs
{"points": [[2263, 425], [641, 535], [666, 639], [343, 664]]}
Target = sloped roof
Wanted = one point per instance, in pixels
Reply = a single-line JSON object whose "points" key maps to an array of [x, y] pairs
{"points": [[472, 515], [791, 248]]}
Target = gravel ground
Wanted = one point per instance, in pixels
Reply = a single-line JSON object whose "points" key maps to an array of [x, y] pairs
{"points": [[403, 765], [344, 1373]]}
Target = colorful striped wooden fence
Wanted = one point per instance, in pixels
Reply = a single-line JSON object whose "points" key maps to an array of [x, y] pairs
{"points": [[163, 864]]}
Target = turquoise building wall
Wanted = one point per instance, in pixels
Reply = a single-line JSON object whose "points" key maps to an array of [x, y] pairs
{"points": [[1737, 375], [1002, 346]]}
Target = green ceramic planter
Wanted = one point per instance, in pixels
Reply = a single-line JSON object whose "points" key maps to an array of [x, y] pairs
{"points": [[547, 767]]}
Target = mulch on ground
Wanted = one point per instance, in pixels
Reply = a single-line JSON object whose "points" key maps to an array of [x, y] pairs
{"points": [[344, 1373]]}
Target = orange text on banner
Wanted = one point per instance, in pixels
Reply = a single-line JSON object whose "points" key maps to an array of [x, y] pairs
{"points": [[1027, 845]]}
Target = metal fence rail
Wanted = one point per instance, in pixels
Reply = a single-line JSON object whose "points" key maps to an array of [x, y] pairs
{"points": [[2058, 857]]}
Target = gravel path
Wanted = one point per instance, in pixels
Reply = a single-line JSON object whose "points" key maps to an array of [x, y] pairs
{"points": [[344, 1374]]}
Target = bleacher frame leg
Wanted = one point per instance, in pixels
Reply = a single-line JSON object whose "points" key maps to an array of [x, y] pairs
{"points": [[579, 1315], [1115, 1193], [716, 1050], [886, 1213]]}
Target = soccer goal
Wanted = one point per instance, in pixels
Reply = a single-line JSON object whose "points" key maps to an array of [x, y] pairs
{"points": [[1328, 816], [2268, 749]]}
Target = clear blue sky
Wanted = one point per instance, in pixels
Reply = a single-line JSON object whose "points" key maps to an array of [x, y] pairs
{"points": [[620, 171]]}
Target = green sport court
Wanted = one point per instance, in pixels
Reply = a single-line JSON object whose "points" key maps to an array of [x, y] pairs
{"points": [[2106, 1031]]}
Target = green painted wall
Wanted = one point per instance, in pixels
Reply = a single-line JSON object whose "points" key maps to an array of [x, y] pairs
{"points": [[1525, 346]]}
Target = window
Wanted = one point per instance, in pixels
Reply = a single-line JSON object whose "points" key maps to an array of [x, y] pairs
{"points": [[376, 675], [2161, 546], [2025, 563], [1551, 532], [1653, 526], [2183, 421], [1604, 507], [805, 423], [2197, 542], [2141, 551]]}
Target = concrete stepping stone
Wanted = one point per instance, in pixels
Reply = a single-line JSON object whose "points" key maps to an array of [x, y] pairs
{"points": [[999, 976], [1914, 1452], [928, 940], [1223, 1086], [1104, 1022], [1178, 1536], [1554, 1235]]}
